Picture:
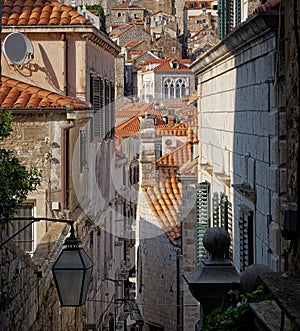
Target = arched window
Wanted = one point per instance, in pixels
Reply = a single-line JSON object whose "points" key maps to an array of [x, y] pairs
{"points": [[172, 90], [178, 87]]}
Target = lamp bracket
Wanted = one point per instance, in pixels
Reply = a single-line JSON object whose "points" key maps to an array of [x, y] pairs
{"points": [[33, 220]]}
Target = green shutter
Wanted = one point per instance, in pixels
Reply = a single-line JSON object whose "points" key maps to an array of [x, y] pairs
{"points": [[224, 211], [216, 219], [203, 218]]}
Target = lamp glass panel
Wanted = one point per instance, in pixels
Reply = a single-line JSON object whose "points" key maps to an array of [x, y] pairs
{"points": [[85, 285], [69, 286], [87, 262], [68, 259]]}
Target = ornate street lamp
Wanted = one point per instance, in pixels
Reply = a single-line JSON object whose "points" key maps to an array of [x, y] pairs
{"points": [[72, 269], [72, 272]]}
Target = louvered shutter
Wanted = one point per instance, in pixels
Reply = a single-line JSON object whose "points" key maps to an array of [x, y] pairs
{"points": [[112, 111], [107, 109], [96, 105], [202, 219], [224, 211], [216, 219], [246, 237]]}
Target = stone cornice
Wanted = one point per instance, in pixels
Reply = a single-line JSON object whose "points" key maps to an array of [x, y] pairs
{"points": [[258, 27]]}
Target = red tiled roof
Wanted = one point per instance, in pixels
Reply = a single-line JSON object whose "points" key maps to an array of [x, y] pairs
{"points": [[164, 64], [190, 168], [164, 199], [133, 43], [129, 113], [126, 5], [17, 95], [39, 12], [177, 157], [120, 31]]}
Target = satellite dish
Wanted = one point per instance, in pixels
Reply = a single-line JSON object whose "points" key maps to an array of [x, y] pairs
{"points": [[18, 49]]}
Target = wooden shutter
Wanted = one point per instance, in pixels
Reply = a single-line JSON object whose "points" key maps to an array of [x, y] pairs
{"points": [[216, 219], [202, 218], [96, 105], [246, 237]]}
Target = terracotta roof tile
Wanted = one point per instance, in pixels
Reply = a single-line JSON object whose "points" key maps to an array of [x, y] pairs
{"points": [[164, 199], [190, 168], [126, 5], [177, 157], [40, 12], [15, 94]]}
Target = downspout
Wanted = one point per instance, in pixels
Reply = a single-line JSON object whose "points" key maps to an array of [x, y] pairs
{"points": [[64, 151], [65, 40]]}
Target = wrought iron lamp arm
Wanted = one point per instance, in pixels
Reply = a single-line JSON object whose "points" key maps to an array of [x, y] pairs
{"points": [[33, 220]]}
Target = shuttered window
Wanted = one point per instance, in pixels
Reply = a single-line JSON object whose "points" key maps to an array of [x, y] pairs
{"points": [[97, 100], [202, 218], [107, 114], [246, 237], [216, 218], [112, 111]]}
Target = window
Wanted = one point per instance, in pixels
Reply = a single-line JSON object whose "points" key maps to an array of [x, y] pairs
{"points": [[173, 49], [25, 239], [180, 88], [119, 14], [96, 97], [246, 229], [202, 218]]}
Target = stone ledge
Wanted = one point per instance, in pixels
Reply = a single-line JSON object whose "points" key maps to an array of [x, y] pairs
{"points": [[286, 292], [267, 316]]}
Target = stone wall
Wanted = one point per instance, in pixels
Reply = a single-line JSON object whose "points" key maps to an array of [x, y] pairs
{"points": [[243, 123], [292, 112], [28, 297], [158, 290]]}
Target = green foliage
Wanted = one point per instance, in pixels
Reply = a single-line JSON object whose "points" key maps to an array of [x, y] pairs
{"points": [[5, 124], [15, 180], [237, 316]]}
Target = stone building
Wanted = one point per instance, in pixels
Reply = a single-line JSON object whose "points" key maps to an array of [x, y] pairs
{"points": [[161, 23], [62, 98], [242, 146], [166, 78], [129, 33], [167, 47], [126, 12]]}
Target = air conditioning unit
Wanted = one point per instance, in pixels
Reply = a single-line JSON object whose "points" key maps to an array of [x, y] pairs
{"points": [[170, 142]]}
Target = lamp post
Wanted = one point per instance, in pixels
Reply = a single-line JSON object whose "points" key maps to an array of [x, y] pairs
{"points": [[72, 269]]}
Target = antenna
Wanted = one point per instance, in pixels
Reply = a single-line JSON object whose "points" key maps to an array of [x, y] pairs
{"points": [[18, 49]]}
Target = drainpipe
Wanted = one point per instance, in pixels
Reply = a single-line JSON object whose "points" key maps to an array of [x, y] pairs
{"points": [[64, 151], [65, 40]]}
